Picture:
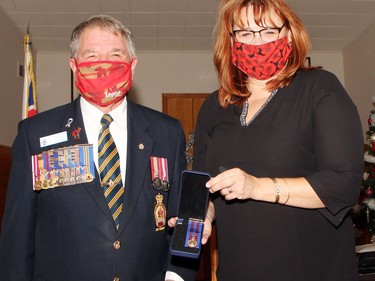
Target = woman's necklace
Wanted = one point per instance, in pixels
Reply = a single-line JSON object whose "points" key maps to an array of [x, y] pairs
{"points": [[246, 107]]}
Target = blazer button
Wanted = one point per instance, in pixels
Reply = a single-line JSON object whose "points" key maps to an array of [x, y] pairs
{"points": [[116, 246], [116, 279]]}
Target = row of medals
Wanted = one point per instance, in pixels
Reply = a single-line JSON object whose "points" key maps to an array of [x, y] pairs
{"points": [[56, 181]]}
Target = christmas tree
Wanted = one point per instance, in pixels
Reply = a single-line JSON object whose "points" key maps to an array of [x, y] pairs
{"points": [[366, 208]]}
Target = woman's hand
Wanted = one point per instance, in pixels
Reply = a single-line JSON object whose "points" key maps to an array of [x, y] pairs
{"points": [[233, 183], [236, 184]]}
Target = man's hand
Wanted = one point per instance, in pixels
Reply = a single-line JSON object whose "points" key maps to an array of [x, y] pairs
{"points": [[207, 230]]}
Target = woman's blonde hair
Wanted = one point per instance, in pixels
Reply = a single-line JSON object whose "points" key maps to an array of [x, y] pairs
{"points": [[233, 88]]}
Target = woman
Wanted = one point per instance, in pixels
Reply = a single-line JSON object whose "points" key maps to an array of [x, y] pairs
{"points": [[284, 146]]}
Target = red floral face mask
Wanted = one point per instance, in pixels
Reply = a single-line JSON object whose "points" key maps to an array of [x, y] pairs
{"points": [[103, 82], [261, 61]]}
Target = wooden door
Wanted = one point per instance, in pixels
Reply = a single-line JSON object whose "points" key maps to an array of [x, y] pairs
{"points": [[185, 107]]}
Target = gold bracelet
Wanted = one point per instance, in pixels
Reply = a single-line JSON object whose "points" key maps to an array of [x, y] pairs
{"points": [[287, 186], [277, 190]]}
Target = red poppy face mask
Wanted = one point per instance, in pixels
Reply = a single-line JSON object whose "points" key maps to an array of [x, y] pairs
{"points": [[103, 82], [261, 61]]}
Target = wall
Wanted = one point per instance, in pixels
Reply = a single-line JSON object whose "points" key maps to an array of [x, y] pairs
{"points": [[156, 73], [53, 83], [359, 65], [11, 87], [331, 61]]}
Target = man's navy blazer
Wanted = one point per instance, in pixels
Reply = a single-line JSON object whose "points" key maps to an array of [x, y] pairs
{"points": [[67, 233]]}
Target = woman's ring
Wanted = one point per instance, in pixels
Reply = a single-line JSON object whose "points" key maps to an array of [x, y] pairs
{"points": [[229, 189]]}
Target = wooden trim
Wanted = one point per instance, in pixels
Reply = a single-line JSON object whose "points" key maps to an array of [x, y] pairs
{"points": [[5, 160], [2, 146]]}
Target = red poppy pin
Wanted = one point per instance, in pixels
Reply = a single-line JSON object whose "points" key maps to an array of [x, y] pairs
{"points": [[75, 133]]}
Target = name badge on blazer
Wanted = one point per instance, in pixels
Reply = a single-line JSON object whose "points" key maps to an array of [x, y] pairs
{"points": [[53, 139], [63, 166]]}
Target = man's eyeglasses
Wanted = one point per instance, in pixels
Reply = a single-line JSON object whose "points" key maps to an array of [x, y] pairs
{"points": [[267, 34]]}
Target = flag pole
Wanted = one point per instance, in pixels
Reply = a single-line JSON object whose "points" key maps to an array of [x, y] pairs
{"points": [[29, 107]]}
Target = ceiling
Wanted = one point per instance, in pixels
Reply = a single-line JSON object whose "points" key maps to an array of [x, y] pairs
{"points": [[179, 25]]}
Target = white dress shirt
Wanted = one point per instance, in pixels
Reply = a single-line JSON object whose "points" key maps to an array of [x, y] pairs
{"points": [[118, 128]]}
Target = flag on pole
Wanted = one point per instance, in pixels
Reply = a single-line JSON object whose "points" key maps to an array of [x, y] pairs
{"points": [[29, 107]]}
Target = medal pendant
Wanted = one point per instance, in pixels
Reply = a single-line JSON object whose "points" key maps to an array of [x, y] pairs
{"points": [[61, 181], [165, 185], [55, 181], [38, 185], [192, 243], [89, 177], [45, 184], [156, 183]]}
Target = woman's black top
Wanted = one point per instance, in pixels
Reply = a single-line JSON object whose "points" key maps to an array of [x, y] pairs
{"points": [[310, 129]]}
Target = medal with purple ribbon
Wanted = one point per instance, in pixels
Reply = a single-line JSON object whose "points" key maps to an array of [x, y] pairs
{"points": [[193, 234]]}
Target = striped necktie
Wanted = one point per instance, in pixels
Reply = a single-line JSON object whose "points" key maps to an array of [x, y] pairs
{"points": [[109, 169]]}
